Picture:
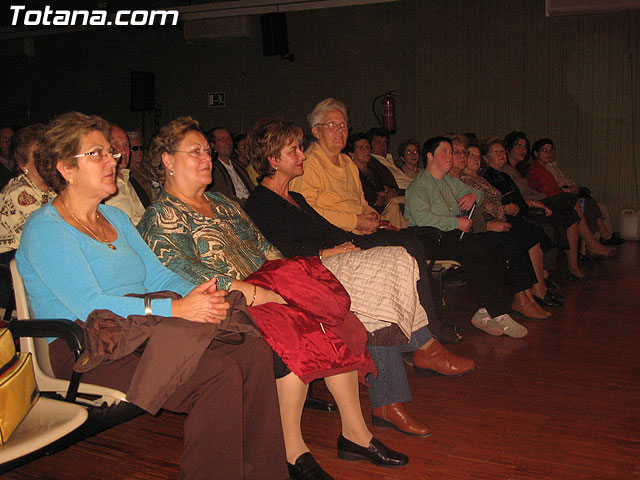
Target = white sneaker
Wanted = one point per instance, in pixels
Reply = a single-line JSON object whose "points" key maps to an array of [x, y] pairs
{"points": [[483, 321], [509, 326]]}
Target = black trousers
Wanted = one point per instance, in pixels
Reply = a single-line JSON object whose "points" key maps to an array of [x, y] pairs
{"points": [[496, 266], [563, 215]]}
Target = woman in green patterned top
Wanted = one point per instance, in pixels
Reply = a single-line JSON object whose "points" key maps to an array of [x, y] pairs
{"points": [[202, 235]]}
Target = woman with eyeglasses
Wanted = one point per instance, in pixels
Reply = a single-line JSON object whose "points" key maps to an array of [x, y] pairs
{"points": [[78, 256], [545, 176], [409, 153], [331, 185], [517, 167], [300, 307], [519, 246], [558, 213], [381, 280], [498, 271], [503, 218]]}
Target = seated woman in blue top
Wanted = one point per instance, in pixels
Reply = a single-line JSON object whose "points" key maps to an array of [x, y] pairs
{"points": [[77, 256], [437, 200]]}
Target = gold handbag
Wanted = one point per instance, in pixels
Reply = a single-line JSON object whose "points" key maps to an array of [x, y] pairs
{"points": [[18, 389]]}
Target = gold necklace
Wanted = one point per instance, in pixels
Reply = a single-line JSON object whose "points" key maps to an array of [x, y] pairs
{"points": [[104, 235]]}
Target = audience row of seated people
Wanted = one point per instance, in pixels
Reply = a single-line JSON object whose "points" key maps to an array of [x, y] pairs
{"points": [[335, 291]]}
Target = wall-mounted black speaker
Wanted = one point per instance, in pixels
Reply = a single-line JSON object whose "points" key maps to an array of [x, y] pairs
{"points": [[143, 91], [274, 34]]}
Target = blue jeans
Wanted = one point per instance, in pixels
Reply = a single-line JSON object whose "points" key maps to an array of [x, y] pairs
{"points": [[391, 385]]}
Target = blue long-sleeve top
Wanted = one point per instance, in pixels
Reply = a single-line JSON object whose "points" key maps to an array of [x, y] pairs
{"points": [[432, 202], [68, 274]]}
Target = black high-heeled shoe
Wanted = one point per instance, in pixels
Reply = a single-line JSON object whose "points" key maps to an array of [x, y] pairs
{"points": [[306, 468], [377, 453]]}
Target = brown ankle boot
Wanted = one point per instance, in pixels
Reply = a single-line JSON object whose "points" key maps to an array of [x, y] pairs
{"points": [[436, 359], [394, 415]]}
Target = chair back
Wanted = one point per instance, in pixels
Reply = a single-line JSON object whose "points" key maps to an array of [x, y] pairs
{"points": [[39, 348]]}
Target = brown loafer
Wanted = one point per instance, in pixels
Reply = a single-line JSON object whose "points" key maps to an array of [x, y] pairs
{"points": [[437, 360], [395, 416]]}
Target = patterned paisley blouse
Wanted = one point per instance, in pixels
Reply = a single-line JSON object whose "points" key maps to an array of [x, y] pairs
{"points": [[492, 205], [198, 247], [19, 199]]}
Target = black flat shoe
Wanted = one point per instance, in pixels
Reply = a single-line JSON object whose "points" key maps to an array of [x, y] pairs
{"points": [[575, 278], [448, 333], [613, 241], [591, 257], [556, 296], [548, 301], [551, 284], [377, 453], [306, 468]]}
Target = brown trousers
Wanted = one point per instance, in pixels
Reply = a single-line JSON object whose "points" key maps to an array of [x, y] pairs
{"points": [[232, 430]]}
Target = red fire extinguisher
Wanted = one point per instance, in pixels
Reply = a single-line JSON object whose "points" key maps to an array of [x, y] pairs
{"points": [[388, 111]]}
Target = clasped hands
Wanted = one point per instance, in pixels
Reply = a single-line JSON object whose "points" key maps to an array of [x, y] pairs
{"points": [[204, 304]]}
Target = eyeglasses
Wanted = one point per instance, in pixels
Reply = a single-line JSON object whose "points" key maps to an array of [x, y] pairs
{"points": [[334, 125], [101, 153], [196, 152], [498, 153], [135, 148], [413, 152], [461, 152], [5, 139]]}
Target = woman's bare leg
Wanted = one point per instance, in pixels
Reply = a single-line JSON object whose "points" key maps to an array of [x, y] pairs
{"points": [[537, 260], [572, 253], [344, 388], [592, 244], [292, 393]]}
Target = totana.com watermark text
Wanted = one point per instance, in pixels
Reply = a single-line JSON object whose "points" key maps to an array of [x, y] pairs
{"points": [[49, 17]]}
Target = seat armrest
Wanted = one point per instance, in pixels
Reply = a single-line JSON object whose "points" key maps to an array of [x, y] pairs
{"points": [[66, 330]]}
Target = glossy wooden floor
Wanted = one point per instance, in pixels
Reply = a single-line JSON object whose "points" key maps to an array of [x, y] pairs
{"points": [[561, 403]]}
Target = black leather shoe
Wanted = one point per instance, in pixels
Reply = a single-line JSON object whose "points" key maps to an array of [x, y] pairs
{"points": [[306, 468], [556, 295], [591, 257], [613, 241], [551, 284], [575, 278], [548, 301], [448, 333], [377, 453]]}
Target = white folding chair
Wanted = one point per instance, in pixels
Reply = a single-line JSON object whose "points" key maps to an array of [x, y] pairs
{"points": [[47, 422], [39, 349]]}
